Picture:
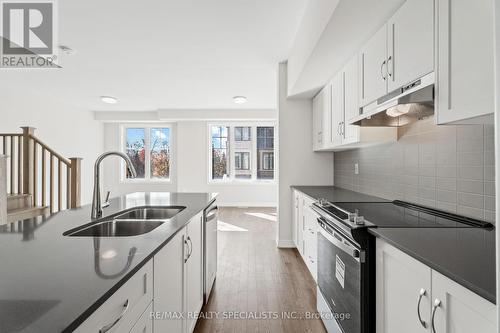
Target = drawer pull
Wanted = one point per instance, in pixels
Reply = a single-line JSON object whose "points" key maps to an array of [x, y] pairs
{"points": [[106, 328], [421, 294]]}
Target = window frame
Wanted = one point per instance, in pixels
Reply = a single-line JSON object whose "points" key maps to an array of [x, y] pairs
{"points": [[232, 180], [147, 146]]}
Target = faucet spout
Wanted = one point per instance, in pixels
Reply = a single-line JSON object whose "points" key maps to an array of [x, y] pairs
{"points": [[96, 198]]}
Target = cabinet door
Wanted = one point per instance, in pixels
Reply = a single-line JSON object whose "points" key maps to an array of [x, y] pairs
{"points": [[460, 310], [373, 67], [401, 282], [318, 121], [337, 111], [327, 117], [168, 284], [295, 217], [410, 43], [351, 101], [194, 271], [465, 63], [311, 241]]}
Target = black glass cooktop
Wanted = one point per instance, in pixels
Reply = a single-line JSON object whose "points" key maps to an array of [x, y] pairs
{"points": [[400, 214]]}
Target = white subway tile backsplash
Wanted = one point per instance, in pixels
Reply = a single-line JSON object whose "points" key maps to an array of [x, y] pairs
{"points": [[450, 167]]}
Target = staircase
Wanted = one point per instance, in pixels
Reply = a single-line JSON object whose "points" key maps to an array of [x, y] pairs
{"points": [[38, 180]]}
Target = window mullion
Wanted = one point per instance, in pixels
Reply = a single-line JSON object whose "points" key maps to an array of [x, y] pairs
{"points": [[253, 155], [147, 153]]}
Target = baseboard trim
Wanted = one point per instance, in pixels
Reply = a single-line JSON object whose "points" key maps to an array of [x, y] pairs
{"points": [[247, 204], [286, 243]]}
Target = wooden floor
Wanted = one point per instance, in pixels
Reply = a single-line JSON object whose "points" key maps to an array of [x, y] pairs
{"points": [[255, 279]]}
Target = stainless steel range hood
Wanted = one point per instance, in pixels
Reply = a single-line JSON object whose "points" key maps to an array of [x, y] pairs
{"points": [[401, 106]]}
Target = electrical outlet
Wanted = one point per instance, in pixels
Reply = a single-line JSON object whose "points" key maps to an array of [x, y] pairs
{"points": [[356, 169]]}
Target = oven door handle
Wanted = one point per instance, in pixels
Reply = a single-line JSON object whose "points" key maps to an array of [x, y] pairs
{"points": [[350, 250]]}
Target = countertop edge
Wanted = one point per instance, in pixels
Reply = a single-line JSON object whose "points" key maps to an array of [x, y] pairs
{"points": [[90, 310], [478, 291]]}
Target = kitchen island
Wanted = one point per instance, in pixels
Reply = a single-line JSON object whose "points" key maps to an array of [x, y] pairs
{"points": [[50, 282]]}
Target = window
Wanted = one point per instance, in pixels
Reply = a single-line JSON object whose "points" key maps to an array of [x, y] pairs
{"points": [[268, 161], [242, 133], [241, 152], [220, 152], [242, 161], [265, 151], [149, 151]]}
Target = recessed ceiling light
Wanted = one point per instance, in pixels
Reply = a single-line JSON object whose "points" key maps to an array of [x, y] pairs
{"points": [[67, 50], [239, 99], [109, 99]]}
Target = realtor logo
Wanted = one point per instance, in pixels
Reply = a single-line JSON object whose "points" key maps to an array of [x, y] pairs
{"points": [[28, 34]]}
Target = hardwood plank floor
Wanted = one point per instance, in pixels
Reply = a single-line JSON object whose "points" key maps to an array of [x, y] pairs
{"points": [[255, 279]]}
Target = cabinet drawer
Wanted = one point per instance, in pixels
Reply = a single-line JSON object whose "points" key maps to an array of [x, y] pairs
{"points": [[145, 323], [122, 310]]}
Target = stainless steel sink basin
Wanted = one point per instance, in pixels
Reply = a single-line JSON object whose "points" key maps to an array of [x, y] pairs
{"points": [[133, 222], [116, 228], [151, 213]]}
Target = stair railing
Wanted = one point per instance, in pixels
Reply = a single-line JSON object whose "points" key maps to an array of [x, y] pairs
{"points": [[35, 168]]}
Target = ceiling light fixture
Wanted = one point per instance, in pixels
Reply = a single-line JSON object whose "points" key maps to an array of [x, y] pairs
{"points": [[239, 99], [109, 99]]}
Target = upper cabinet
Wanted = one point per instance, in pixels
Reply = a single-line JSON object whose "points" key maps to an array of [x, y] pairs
{"points": [[400, 52], [410, 47], [322, 119], [334, 105], [373, 67], [465, 60]]}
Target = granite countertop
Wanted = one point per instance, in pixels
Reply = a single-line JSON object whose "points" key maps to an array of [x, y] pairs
{"points": [[336, 194], [52, 283], [465, 255]]}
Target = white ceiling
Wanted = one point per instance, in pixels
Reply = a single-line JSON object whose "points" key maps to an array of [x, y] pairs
{"points": [[162, 54]]}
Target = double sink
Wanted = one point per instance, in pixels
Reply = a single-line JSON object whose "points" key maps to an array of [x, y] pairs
{"points": [[132, 222]]}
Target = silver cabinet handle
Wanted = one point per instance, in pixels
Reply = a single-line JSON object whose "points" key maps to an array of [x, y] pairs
{"points": [[389, 71], [187, 255], [437, 304], [382, 69], [421, 294], [106, 328], [190, 247]]}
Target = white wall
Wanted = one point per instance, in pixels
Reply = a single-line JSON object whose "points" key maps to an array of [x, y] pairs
{"points": [[298, 164], [189, 167], [70, 131]]}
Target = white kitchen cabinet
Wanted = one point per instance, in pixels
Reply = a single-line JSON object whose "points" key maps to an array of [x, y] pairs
{"points": [[460, 310], [169, 284], [410, 43], [373, 67], [124, 308], [193, 271], [401, 282], [297, 221], [178, 280], [144, 324], [337, 110], [318, 119], [465, 60], [311, 241], [351, 101]]}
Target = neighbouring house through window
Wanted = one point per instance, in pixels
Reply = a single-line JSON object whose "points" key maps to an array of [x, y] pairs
{"points": [[149, 150], [241, 152]]}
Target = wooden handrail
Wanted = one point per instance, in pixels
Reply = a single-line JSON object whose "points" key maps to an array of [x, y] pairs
{"points": [[29, 157]]}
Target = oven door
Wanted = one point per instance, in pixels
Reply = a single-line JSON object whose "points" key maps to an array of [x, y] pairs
{"points": [[339, 277]]}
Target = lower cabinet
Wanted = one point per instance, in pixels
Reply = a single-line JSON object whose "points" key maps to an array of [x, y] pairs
{"points": [[144, 324], [412, 297], [178, 280], [305, 230], [125, 307]]}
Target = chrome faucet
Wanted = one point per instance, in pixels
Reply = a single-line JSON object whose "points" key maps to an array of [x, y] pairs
{"points": [[96, 199]]}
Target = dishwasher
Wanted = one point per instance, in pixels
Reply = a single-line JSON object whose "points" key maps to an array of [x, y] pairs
{"points": [[209, 249]]}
